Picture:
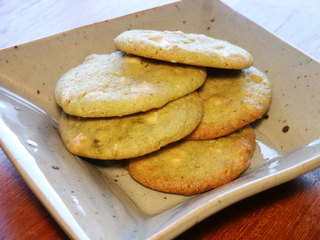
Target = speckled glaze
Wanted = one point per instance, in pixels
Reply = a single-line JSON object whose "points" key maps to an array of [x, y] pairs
{"points": [[100, 201]]}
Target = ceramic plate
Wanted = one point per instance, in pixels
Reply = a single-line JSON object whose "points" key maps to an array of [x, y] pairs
{"points": [[92, 201]]}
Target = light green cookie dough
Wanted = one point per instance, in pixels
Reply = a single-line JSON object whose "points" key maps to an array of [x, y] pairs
{"points": [[192, 167], [232, 99], [187, 48], [118, 84], [133, 135]]}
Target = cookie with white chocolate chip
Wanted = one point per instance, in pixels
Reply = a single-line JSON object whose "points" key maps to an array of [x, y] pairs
{"points": [[118, 84], [232, 99], [133, 135], [186, 48], [192, 167]]}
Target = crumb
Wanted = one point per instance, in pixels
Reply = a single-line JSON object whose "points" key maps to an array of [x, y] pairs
{"points": [[285, 129]]}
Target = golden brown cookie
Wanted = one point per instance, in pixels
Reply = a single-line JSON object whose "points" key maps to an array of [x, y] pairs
{"points": [[118, 84], [232, 99], [192, 167], [187, 48], [132, 135]]}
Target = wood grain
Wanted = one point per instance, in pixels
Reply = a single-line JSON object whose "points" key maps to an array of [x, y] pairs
{"points": [[288, 211], [24, 21], [21, 214]]}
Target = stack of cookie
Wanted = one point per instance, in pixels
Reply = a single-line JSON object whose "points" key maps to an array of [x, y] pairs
{"points": [[176, 105]]}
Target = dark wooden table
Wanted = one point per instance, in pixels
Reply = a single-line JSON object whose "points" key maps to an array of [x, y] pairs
{"points": [[289, 211]]}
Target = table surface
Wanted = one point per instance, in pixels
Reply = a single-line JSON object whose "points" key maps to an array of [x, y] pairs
{"points": [[291, 210]]}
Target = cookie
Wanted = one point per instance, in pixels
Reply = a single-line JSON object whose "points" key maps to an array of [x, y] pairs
{"points": [[232, 99], [118, 84], [187, 48], [133, 135], [192, 167]]}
